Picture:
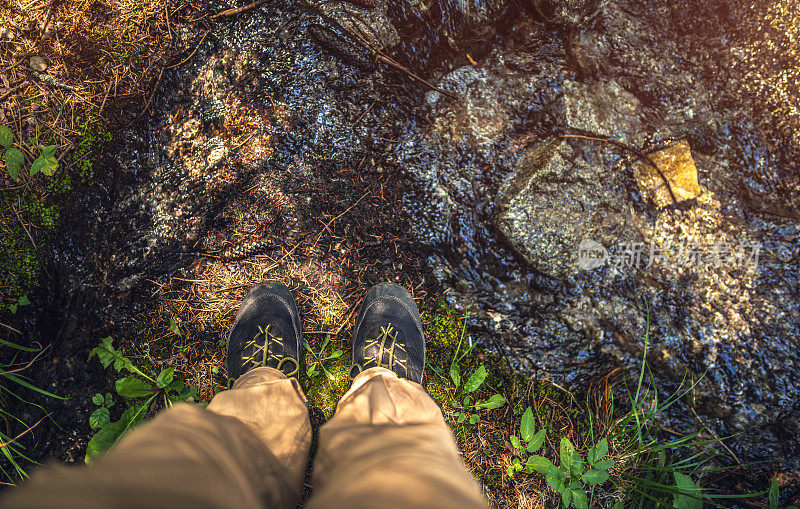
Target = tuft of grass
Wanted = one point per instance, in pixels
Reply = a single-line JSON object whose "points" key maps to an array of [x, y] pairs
{"points": [[648, 467], [13, 386], [324, 392], [654, 471]]}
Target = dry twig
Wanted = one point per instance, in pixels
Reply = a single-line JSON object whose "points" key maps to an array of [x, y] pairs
{"points": [[625, 146], [238, 10]]}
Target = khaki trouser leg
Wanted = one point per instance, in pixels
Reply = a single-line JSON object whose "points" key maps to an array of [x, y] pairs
{"points": [[387, 447], [248, 449]]}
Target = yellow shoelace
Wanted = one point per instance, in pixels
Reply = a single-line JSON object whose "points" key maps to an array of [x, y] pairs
{"points": [[387, 333], [262, 353]]}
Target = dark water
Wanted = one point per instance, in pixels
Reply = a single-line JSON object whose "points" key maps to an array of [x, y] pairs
{"points": [[717, 74], [294, 92]]}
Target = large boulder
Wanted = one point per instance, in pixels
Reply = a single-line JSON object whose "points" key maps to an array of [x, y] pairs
{"points": [[554, 200]]}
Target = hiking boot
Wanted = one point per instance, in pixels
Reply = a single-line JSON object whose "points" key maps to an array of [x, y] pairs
{"points": [[266, 332], [388, 333]]}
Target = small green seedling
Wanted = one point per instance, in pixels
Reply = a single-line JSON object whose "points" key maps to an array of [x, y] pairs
{"points": [[467, 409], [46, 162], [101, 416], [773, 495], [21, 301], [173, 327], [141, 390], [14, 159], [688, 494], [319, 358]]}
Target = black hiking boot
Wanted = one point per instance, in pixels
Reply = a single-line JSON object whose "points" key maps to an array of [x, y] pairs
{"points": [[266, 332], [388, 333]]}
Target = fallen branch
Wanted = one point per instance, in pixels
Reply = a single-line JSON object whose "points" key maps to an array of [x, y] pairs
{"points": [[46, 23], [26, 366], [388, 60], [238, 10], [365, 112], [10, 328], [4, 444], [382, 57], [49, 80], [351, 207], [716, 437], [152, 93], [638, 152]]}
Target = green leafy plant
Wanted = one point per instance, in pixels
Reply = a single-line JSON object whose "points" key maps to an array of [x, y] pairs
{"points": [[688, 494], [468, 409], [101, 416], [574, 473], [46, 162], [15, 159], [657, 472], [773, 495], [21, 301], [528, 442], [319, 358], [142, 390]]}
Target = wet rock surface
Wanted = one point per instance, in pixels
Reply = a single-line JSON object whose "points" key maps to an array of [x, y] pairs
{"points": [[689, 269], [280, 100], [570, 12], [553, 200], [601, 108]]}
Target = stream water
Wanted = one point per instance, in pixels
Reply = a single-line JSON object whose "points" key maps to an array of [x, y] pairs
{"points": [[295, 90]]}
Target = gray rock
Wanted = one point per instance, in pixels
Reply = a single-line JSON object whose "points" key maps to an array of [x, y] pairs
{"points": [[553, 201], [567, 12], [602, 108]]}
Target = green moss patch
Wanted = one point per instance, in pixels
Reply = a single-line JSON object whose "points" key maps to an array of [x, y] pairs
{"points": [[31, 214]]}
